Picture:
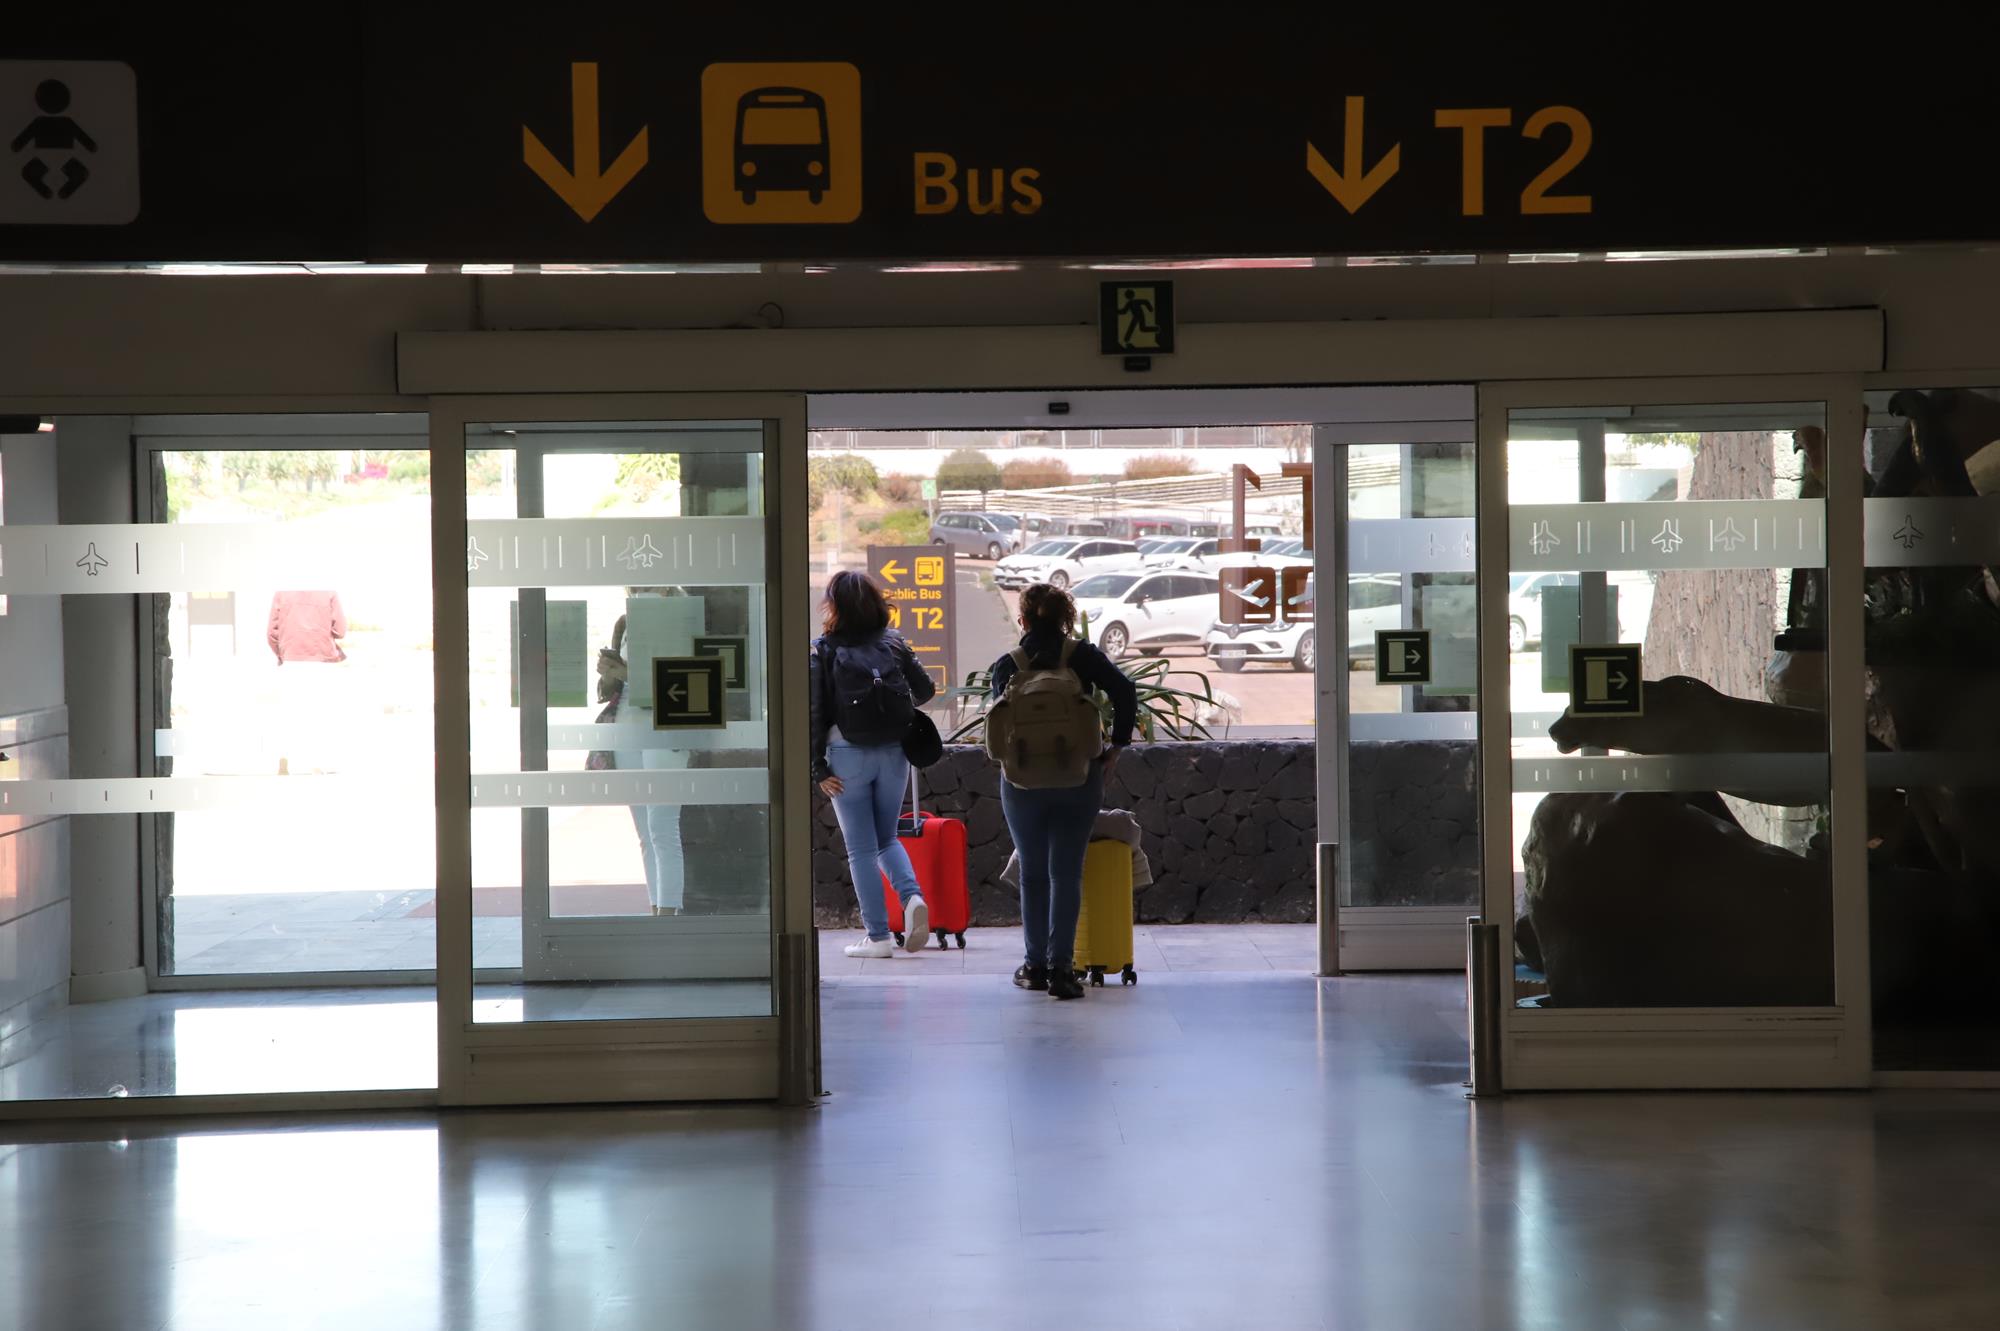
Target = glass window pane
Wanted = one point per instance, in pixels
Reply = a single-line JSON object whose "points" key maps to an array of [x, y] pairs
{"points": [[1670, 795], [644, 882], [1931, 533], [254, 659], [1413, 827]]}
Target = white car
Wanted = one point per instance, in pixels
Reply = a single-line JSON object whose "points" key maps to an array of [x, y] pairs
{"points": [[1524, 605], [1146, 612], [1063, 560], [1374, 601], [1195, 552]]}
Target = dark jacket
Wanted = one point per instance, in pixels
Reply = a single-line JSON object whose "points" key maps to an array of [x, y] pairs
{"points": [[922, 687], [1091, 666]]}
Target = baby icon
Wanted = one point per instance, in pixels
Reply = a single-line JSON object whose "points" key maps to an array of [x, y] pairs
{"points": [[54, 132]]}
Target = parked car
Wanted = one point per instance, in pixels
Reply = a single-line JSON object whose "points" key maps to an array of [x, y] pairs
{"points": [[1063, 560], [1524, 604], [1146, 612], [1184, 552], [1375, 601], [1293, 547], [987, 535]]}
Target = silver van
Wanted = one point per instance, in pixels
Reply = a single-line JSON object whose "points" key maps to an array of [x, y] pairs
{"points": [[981, 535]]}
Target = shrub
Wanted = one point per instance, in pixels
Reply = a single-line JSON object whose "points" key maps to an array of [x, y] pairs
{"points": [[1034, 473], [409, 465], [1157, 466], [968, 469], [907, 526], [899, 489], [852, 476]]}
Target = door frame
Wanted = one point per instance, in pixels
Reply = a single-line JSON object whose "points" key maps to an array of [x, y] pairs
{"points": [[654, 1058], [1635, 1048]]}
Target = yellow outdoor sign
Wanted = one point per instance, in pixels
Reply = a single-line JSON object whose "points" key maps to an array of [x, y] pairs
{"points": [[781, 142]]}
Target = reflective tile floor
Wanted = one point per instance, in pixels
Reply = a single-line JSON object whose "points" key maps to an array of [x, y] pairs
{"points": [[1206, 1150]]}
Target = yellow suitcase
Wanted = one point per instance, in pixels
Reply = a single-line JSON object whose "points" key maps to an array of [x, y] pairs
{"points": [[1104, 925]]}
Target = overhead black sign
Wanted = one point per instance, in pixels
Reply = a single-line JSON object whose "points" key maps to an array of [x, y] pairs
{"points": [[1606, 680], [1135, 318], [598, 134]]}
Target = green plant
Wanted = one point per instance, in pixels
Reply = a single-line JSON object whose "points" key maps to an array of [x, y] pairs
{"points": [[415, 465], [899, 489], [907, 526], [240, 465], [642, 475], [868, 526], [968, 469], [1165, 712]]}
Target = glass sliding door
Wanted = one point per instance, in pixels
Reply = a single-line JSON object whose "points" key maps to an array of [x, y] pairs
{"points": [[620, 903], [1665, 836], [264, 677], [1394, 530], [1931, 600], [230, 794]]}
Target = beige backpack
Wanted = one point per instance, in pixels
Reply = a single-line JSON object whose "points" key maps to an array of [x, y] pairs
{"points": [[1044, 731]]}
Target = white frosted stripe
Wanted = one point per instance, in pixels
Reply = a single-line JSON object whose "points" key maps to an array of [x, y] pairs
{"points": [[535, 790], [1535, 725], [509, 790], [1389, 727], [1410, 545], [1920, 768], [1920, 533], [621, 737], [178, 557], [1690, 534], [615, 552], [192, 794], [1777, 772]]}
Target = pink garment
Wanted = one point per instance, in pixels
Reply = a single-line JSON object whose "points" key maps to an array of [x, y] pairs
{"points": [[307, 626]]}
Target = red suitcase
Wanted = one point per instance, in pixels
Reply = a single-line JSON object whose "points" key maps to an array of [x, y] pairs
{"points": [[937, 852]]}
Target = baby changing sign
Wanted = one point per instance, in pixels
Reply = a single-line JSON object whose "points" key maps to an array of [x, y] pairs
{"points": [[71, 128]]}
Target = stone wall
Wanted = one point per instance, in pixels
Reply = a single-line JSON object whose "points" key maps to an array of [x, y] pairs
{"points": [[1229, 828]]}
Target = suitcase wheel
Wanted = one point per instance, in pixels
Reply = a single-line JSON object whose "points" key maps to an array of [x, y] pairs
{"points": [[1097, 976], [960, 936], [1128, 976], [939, 934], [899, 940]]}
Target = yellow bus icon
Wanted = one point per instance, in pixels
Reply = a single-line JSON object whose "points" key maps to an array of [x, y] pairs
{"points": [[781, 142], [930, 570]]}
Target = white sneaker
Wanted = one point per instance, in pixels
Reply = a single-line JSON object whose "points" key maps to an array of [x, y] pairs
{"points": [[871, 949], [916, 925]]}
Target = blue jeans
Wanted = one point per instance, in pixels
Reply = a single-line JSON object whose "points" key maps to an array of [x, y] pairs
{"points": [[1051, 831], [875, 780]]}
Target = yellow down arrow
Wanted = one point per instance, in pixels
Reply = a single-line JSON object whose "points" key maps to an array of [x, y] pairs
{"points": [[585, 187], [891, 570], [1351, 186]]}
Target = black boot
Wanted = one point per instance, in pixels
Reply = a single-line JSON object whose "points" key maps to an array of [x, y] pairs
{"points": [[1063, 983], [1031, 977]]}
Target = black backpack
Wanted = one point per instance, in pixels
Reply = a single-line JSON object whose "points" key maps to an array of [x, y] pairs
{"points": [[871, 698]]}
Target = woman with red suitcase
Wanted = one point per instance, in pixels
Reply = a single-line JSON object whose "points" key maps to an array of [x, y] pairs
{"points": [[866, 688]]}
